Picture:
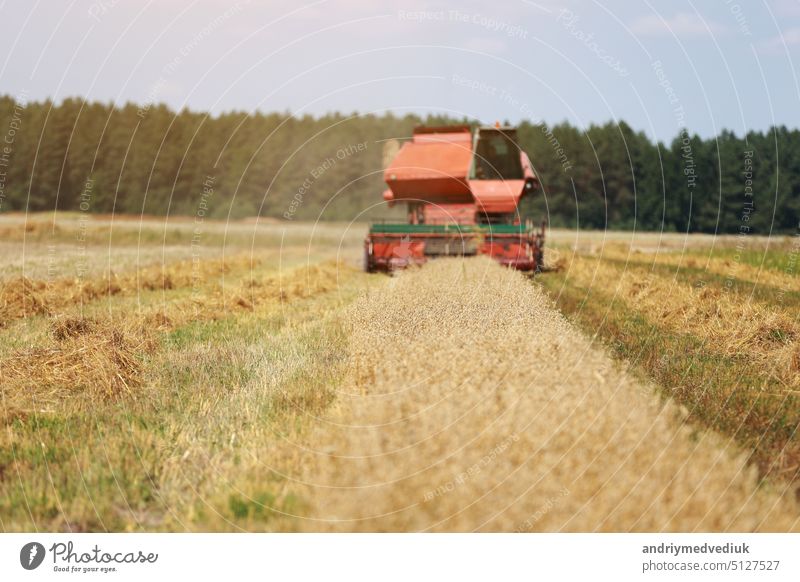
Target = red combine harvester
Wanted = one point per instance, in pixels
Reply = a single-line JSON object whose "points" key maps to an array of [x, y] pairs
{"points": [[463, 194]]}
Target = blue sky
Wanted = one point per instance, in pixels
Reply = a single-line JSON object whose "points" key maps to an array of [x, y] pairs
{"points": [[708, 64]]}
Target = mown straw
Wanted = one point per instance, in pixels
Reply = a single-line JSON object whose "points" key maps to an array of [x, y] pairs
{"points": [[101, 358], [96, 359], [22, 297], [768, 335]]}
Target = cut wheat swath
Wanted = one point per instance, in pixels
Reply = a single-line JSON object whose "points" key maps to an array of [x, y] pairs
{"points": [[474, 405]]}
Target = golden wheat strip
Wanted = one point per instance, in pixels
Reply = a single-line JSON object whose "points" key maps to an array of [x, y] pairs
{"points": [[474, 405]]}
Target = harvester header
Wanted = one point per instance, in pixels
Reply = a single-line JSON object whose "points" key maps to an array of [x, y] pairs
{"points": [[462, 191]]}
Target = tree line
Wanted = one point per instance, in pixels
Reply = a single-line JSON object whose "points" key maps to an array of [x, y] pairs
{"points": [[94, 157]]}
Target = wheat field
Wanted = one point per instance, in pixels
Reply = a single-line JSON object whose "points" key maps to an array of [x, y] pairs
{"points": [[472, 404], [255, 379]]}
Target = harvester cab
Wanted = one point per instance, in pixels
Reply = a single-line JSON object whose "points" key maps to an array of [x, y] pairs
{"points": [[462, 192]]}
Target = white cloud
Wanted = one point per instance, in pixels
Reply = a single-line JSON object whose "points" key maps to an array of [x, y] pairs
{"points": [[683, 24], [787, 7], [790, 37]]}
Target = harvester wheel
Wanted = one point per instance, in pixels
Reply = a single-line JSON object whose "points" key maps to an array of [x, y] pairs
{"points": [[368, 266], [539, 260]]}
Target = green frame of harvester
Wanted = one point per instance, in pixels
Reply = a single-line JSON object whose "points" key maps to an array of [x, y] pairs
{"points": [[404, 228]]}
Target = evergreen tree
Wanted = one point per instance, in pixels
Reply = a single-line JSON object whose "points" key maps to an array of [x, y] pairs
{"points": [[97, 157]]}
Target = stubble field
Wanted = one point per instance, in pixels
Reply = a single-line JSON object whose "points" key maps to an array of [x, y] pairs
{"points": [[172, 376]]}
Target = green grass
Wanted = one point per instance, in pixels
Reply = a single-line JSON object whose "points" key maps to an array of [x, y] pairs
{"points": [[779, 256], [698, 277], [726, 394], [190, 449]]}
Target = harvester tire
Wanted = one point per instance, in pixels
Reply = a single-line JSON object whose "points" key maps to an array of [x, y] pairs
{"points": [[368, 267]]}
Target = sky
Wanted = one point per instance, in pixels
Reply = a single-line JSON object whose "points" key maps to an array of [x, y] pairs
{"points": [[658, 65]]}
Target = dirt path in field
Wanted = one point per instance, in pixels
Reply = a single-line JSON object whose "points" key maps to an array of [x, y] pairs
{"points": [[474, 405]]}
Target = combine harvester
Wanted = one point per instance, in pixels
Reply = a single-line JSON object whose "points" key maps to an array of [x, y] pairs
{"points": [[463, 194]]}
